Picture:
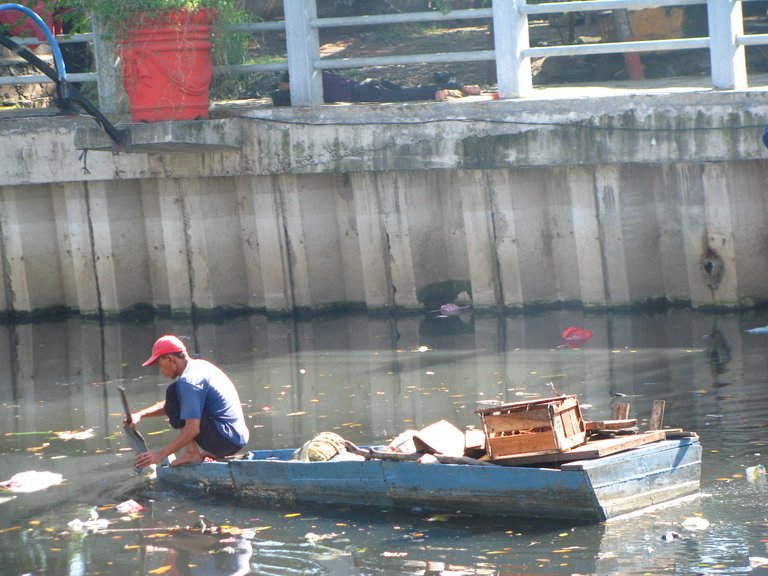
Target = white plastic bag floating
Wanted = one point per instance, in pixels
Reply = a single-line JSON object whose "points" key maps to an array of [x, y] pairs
{"points": [[32, 481], [129, 507], [695, 523], [75, 434], [754, 472]]}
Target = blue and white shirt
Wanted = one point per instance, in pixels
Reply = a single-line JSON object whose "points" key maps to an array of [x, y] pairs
{"points": [[204, 389]]}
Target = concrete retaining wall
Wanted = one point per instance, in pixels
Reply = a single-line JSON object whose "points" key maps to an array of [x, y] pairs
{"points": [[602, 201]]}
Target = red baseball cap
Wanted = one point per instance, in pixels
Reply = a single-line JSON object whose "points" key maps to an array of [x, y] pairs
{"points": [[167, 344]]}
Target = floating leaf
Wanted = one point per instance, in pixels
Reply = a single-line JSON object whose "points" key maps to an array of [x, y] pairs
{"points": [[10, 529], [161, 570]]}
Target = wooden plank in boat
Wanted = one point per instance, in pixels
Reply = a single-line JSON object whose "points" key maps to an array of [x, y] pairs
{"points": [[592, 449], [610, 424]]}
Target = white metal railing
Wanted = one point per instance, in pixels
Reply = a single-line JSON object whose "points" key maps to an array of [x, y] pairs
{"points": [[41, 79], [512, 52]]}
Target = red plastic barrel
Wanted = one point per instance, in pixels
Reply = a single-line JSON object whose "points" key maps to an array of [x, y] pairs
{"points": [[167, 66]]}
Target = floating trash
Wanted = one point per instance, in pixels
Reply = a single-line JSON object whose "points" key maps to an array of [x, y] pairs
{"points": [[75, 435], [760, 330], [573, 336], [694, 523], [32, 481], [755, 472], [452, 309], [129, 507], [95, 525]]}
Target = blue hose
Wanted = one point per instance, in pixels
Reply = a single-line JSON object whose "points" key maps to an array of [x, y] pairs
{"points": [[57, 57]]}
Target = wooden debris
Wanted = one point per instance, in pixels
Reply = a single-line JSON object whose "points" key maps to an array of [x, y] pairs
{"points": [[657, 415], [590, 450], [547, 425], [675, 433], [610, 424], [621, 411], [371, 454]]}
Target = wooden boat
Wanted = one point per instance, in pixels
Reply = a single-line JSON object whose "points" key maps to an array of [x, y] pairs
{"points": [[595, 482]]}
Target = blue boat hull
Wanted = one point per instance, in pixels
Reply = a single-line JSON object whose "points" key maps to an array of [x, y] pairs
{"points": [[586, 490]]}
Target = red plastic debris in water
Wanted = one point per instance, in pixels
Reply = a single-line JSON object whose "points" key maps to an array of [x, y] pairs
{"points": [[574, 336]]}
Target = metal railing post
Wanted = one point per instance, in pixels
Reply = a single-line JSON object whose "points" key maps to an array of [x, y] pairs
{"points": [[112, 96], [510, 36], [303, 47], [727, 59]]}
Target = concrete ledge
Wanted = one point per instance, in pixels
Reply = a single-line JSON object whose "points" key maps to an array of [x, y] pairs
{"points": [[189, 136], [553, 127]]}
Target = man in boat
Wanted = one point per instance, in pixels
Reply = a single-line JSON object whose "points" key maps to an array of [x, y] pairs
{"points": [[202, 403]]}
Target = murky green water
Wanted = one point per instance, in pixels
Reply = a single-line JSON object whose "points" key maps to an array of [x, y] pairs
{"points": [[369, 379]]}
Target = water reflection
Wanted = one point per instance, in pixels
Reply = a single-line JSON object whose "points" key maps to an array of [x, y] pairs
{"points": [[368, 379], [198, 553]]}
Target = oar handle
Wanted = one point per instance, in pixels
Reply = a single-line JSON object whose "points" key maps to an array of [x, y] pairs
{"points": [[124, 398]]}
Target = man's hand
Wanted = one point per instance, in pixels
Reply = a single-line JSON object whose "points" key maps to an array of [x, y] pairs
{"points": [[135, 419], [145, 459]]}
